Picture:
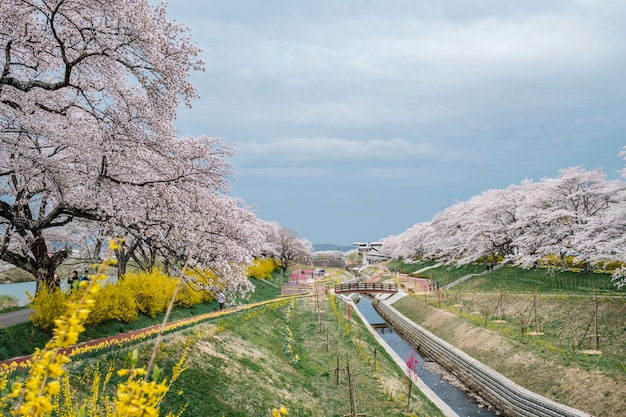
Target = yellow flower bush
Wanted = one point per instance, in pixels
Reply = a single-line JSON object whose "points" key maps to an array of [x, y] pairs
{"points": [[148, 293], [48, 306], [114, 302], [188, 296], [261, 268], [36, 395], [46, 388], [152, 291]]}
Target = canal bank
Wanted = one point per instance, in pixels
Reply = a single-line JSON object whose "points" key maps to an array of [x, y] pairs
{"points": [[450, 397]]}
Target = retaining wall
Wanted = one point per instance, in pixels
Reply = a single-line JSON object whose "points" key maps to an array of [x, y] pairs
{"points": [[506, 396]]}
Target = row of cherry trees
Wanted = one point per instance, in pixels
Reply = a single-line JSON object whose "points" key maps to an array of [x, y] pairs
{"points": [[89, 150], [579, 213]]}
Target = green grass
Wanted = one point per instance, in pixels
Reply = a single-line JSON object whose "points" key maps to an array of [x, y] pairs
{"points": [[408, 268], [244, 371], [563, 321], [515, 280], [237, 366], [567, 324]]}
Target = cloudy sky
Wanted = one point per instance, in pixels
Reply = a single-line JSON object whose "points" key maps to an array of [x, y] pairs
{"points": [[355, 119]]}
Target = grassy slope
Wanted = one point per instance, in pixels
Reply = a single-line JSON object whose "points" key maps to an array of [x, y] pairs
{"points": [[223, 368], [238, 367], [553, 363]]}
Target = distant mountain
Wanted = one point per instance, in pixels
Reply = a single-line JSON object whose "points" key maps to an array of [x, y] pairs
{"points": [[319, 247]]}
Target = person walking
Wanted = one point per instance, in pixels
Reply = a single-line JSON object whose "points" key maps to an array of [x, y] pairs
{"points": [[85, 276], [221, 299]]}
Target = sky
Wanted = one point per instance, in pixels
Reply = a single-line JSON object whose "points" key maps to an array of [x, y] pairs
{"points": [[355, 119]]}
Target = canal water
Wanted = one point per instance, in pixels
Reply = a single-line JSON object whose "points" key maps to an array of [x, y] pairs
{"points": [[445, 385], [18, 290]]}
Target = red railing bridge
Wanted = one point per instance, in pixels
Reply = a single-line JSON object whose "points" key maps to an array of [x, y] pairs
{"points": [[366, 287]]}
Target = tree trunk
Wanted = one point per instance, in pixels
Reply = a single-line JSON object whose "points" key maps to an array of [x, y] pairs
{"points": [[152, 261], [95, 257], [122, 261], [124, 254], [46, 271]]}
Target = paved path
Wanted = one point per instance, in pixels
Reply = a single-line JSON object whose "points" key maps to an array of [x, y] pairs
{"points": [[15, 317]]}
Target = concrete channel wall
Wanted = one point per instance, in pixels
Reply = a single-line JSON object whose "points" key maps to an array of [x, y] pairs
{"points": [[506, 396]]}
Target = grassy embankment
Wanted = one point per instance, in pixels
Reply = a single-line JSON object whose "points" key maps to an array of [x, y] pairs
{"points": [[245, 364], [250, 372], [22, 339], [572, 349]]}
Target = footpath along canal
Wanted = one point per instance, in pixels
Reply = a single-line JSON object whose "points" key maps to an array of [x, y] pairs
{"points": [[446, 386]]}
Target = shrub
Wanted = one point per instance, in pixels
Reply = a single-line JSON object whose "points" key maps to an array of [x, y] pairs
{"points": [[113, 302], [261, 268], [48, 306], [151, 291], [8, 301], [188, 296]]}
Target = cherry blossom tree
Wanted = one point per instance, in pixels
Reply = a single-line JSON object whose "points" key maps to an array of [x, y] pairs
{"points": [[556, 213], [483, 228], [411, 245], [450, 228], [579, 214], [288, 248], [604, 237], [88, 94], [218, 236]]}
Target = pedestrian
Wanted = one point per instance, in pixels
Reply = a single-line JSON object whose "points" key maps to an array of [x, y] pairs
{"points": [[73, 280], [221, 298], [85, 276]]}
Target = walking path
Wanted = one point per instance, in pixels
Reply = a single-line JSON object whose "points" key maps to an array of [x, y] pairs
{"points": [[15, 317]]}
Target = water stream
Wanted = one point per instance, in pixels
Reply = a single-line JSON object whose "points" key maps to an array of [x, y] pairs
{"points": [[445, 385]]}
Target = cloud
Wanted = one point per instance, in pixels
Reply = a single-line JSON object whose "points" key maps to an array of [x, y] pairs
{"points": [[329, 152], [358, 66]]}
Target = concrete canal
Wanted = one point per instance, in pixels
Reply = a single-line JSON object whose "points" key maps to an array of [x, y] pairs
{"points": [[446, 386]]}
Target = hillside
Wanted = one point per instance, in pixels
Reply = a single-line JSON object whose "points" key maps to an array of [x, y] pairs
{"points": [[320, 247]]}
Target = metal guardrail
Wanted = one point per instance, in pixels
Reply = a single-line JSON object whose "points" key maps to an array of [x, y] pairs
{"points": [[371, 287], [508, 397]]}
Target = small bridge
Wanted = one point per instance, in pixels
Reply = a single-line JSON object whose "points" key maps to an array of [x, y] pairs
{"points": [[366, 287]]}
